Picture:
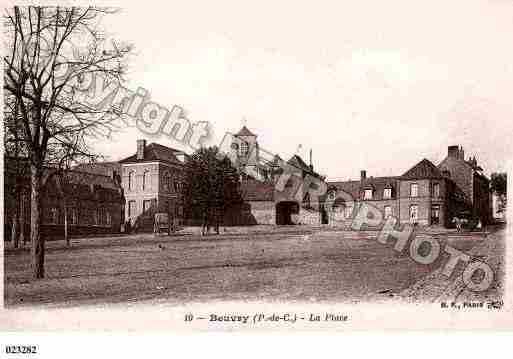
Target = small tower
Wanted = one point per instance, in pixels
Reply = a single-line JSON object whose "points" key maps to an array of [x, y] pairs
{"points": [[247, 147]]}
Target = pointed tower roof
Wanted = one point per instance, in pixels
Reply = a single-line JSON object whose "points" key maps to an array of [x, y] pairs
{"points": [[423, 169], [245, 132]]}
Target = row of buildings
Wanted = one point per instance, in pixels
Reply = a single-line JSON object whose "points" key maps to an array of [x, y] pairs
{"points": [[115, 196]]}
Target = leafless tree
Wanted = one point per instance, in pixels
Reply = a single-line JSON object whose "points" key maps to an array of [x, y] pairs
{"points": [[54, 58], [62, 169], [15, 152]]}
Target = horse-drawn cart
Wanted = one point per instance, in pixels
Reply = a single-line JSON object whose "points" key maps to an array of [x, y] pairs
{"points": [[162, 223]]}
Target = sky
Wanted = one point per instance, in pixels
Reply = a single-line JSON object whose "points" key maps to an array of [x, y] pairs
{"points": [[364, 84]]}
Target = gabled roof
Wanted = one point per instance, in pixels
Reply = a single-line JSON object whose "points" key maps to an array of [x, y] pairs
{"points": [[377, 184], [245, 132], [156, 152], [423, 169], [298, 162]]}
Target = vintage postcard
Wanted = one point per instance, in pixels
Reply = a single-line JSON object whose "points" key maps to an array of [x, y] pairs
{"points": [[239, 166]]}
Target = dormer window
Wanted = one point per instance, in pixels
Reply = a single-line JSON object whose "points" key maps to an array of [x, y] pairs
{"points": [[387, 193], [367, 194]]}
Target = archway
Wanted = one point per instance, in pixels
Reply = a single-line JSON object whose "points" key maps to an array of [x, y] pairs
{"points": [[284, 212]]}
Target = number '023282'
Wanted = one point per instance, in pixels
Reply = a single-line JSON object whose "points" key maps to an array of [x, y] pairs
{"points": [[20, 349]]}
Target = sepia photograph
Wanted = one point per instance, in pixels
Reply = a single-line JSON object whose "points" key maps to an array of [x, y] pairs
{"points": [[231, 165]]}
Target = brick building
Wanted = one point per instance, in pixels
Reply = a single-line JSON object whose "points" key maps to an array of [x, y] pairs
{"points": [[152, 180], [425, 194], [101, 197], [92, 203], [469, 177]]}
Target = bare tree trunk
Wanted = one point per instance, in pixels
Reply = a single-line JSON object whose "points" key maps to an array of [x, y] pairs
{"points": [[14, 228], [217, 219], [38, 245], [66, 237], [23, 237]]}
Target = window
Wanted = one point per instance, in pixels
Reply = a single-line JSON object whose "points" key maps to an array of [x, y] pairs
{"points": [[436, 190], [387, 193], [367, 194], [306, 200], [131, 178], [435, 214], [414, 213], [167, 182], [54, 215], [146, 180], [73, 215], [102, 217], [349, 212], [131, 208], [414, 190], [388, 211], [97, 215], [244, 148]]}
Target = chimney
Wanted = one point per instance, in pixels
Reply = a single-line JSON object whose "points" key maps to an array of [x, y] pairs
{"points": [[311, 164], [453, 151], [462, 154], [473, 161], [363, 174], [141, 145]]}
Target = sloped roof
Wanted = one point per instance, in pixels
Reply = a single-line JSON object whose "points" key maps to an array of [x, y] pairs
{"points": [[350, 187], [254, 190], [423, 169], [245, 132], [298, 162], [77, 184], [377, 184], [87, 178], [155, 152], [100, 168]]}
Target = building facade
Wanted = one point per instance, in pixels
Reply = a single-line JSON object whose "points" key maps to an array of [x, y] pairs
{"points": [[426, 194], [88, 203], [152, 181], [110, 197], [468, 176], [266, 199]]}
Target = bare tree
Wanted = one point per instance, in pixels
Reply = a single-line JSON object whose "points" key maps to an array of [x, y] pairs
{"points": [[54, 58], [67, 157], [16, 168]]}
